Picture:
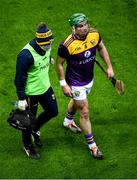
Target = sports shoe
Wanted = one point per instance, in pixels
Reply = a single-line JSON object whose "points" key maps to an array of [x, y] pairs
{"points": [[72, 126], [30, 151], [36, 138], [96, 153]]}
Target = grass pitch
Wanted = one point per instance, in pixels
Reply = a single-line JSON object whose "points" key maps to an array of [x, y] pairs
{"points": [[65, 155]]}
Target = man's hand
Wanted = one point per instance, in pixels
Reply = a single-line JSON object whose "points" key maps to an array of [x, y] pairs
{"points": [[22, 104], [110, 73], [67, 90]]}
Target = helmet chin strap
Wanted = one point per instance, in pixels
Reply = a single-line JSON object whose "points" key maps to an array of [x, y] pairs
{"points": [[73, 29]]}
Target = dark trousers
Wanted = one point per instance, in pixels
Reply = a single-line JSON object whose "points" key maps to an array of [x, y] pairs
{"points": [[49, 105]]}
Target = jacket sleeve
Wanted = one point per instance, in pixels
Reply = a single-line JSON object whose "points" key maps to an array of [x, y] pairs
{"points": [[24, 61]]}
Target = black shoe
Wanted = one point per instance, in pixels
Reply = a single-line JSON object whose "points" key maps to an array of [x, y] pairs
{"points": [[36, 138], [30, 151]]}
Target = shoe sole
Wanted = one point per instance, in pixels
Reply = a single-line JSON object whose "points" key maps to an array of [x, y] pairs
{"points": [[97, 157], [73, 130]]}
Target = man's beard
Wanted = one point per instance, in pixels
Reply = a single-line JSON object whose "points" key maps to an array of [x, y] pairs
{"points": [[82, 36]]}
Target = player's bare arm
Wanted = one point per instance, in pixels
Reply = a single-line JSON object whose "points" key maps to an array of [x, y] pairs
{"points": [[60, 70], [104, 54]]}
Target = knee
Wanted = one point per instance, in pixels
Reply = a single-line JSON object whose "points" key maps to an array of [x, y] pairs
{"points": [[84, 113]]}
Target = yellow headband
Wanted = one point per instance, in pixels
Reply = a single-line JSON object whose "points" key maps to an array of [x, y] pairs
{"points": [[43, 43], [44, 35]]}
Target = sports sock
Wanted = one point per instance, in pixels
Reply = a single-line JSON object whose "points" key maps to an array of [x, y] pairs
{"points": [[90, 140], [69, 117]]}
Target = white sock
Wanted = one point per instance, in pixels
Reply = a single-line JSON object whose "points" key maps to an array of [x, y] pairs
{"points": [[66, 120], [92, 145]]}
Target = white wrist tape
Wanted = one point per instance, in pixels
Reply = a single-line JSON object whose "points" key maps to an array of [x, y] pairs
{"points": [[63, 82]]}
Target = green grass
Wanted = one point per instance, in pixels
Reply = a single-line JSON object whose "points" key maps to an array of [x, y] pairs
{"points": [[65, 155]]}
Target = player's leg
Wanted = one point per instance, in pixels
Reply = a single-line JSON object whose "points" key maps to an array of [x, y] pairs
{"points": [[83, 109], [69, 118]]}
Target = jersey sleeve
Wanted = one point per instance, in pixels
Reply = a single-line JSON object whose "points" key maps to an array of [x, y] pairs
{"points": [[63, 51]]}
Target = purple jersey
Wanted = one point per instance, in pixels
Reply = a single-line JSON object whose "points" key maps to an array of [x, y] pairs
{"points": [[79, 55]]}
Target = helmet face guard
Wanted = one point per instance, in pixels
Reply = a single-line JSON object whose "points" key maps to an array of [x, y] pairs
{"points": [[77, 18]]}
